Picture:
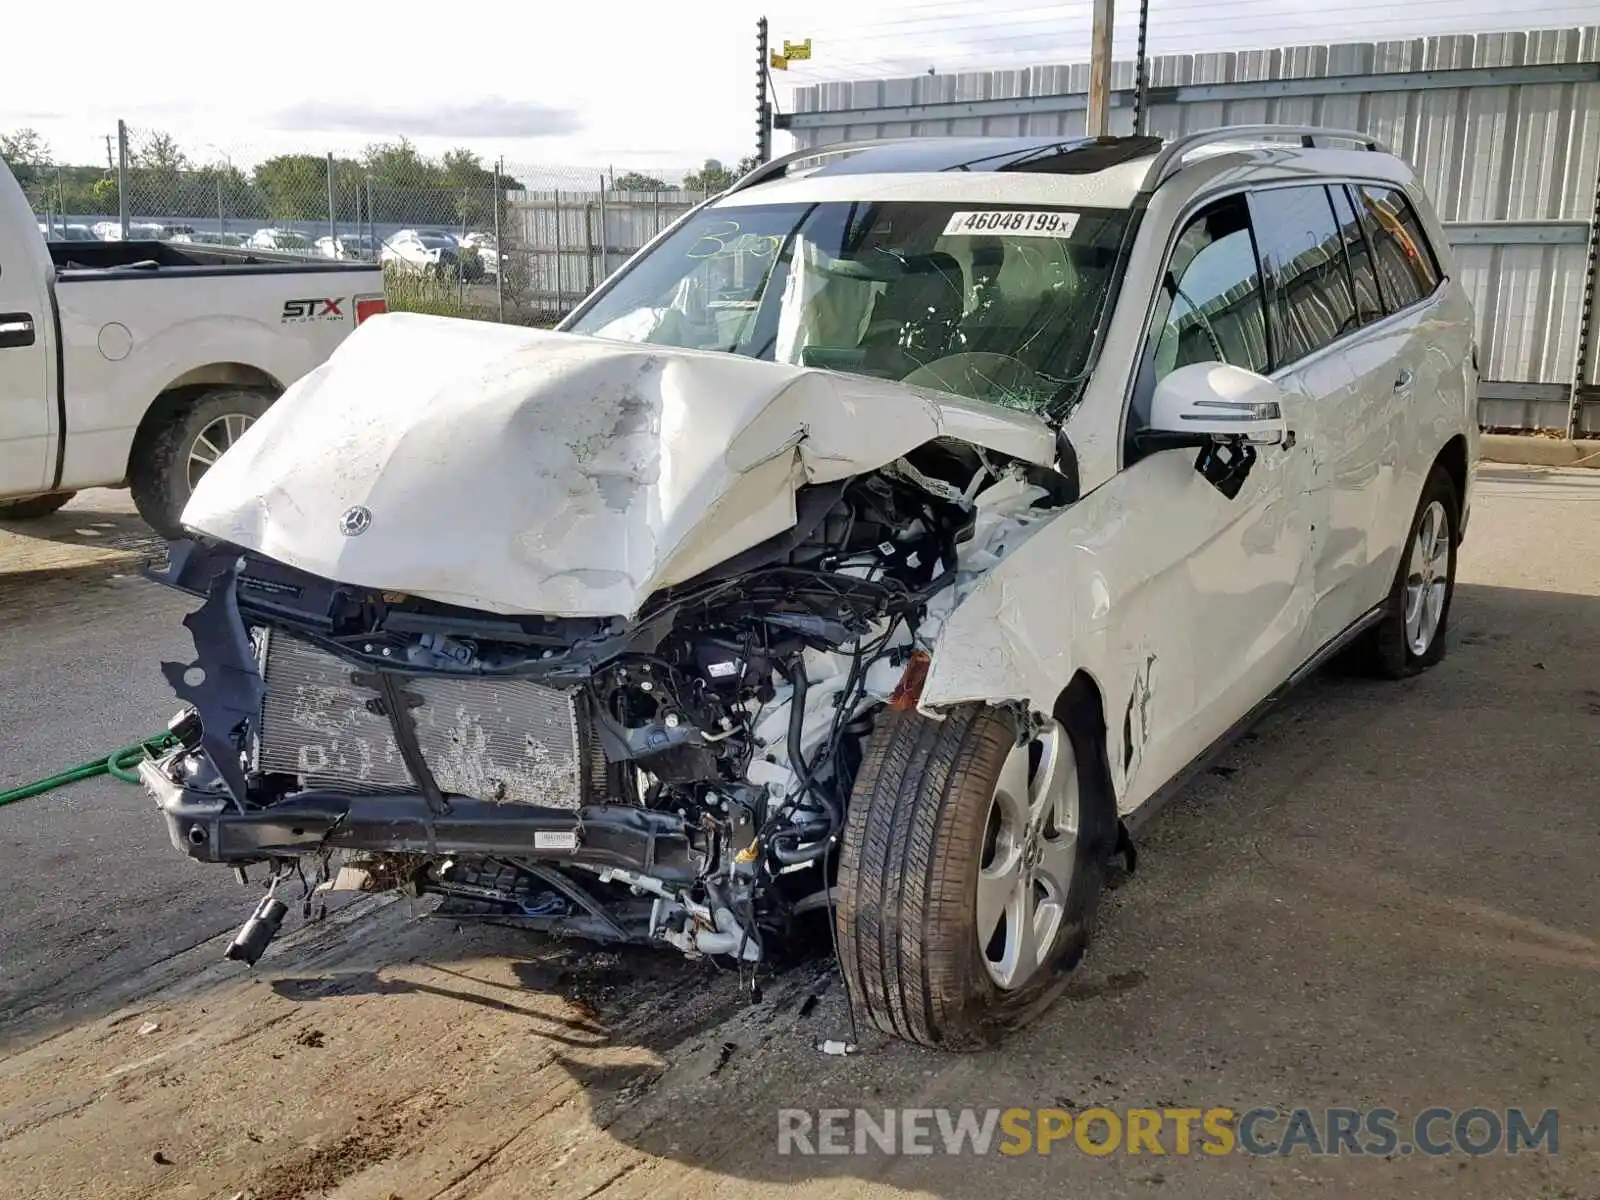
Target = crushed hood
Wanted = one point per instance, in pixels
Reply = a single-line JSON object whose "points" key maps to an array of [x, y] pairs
{"points": [[521, 471]]}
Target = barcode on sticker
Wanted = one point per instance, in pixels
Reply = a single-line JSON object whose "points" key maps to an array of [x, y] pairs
{"points": [[1012, 221], [544, 840]]}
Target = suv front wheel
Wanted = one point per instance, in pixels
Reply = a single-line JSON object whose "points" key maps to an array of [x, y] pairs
{"points": [[970, 871]]}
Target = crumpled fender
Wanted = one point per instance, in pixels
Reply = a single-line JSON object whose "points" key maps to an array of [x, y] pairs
{"points": [[1099, 589]]}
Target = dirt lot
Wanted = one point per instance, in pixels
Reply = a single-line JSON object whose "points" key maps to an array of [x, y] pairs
{"points": [[1386, 896]]}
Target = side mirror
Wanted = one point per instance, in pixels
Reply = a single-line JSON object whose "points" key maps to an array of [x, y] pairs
{"points": [[1203, 401]]}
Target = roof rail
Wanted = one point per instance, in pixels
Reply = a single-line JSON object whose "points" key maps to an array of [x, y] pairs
{"points": [[780, 166], [1170, 160]]}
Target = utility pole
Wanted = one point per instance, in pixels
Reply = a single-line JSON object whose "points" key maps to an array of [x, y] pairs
{"points": [[1141, 87], [1098, 123], [122, 178], [333, 213], [763, 98]]}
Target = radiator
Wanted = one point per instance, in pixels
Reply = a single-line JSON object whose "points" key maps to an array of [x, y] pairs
{"points": [[491, 739]]}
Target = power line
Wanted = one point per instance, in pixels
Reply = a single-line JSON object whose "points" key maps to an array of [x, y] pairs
{"points": [[1024, 43]]}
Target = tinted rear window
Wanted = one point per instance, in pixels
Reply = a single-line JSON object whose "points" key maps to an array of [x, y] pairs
{"points": [[1407, 266]]}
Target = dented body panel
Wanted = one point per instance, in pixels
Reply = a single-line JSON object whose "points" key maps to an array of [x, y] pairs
{"points": [[1184, 607], [521, 471]]}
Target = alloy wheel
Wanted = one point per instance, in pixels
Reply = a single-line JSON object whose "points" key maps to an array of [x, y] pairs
{"points": [[1029, 857], [213, 441], [1427, 578]]}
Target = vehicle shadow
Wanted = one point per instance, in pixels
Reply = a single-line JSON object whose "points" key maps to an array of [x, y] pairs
{"points": [[100, 518]]}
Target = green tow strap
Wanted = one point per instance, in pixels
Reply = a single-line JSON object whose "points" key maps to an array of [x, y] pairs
{"points": [[121, 765]]}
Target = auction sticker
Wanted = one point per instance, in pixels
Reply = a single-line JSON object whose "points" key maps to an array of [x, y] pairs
{"points": [[1012, 221]]}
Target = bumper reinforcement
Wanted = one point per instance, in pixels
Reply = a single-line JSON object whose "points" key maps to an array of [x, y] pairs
{"points": [[211, 828]]}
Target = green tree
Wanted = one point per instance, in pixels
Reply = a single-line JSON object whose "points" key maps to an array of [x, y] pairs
{"points": [[157, 167], [472, 186], [103, 196], [225, 192], [712, 177], [633, 181], [24, 148], [28, 155], [158, 151], [406, 187], [295, 186]]}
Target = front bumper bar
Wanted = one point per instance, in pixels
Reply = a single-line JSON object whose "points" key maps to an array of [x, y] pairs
{"points": [[211, 828]]}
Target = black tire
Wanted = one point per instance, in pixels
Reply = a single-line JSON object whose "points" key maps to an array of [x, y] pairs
{"points": [[1386, 650], [913, 846], [31, 508], [159, 472]]}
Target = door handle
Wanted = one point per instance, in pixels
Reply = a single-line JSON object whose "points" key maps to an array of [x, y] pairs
{"points": [[1403, 380], [16, 330]]}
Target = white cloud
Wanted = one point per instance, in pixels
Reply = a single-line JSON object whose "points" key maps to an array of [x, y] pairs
{"points": [[630, 84]]}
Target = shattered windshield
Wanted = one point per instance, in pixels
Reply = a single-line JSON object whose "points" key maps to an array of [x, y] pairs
{"points": [[994, 303]]}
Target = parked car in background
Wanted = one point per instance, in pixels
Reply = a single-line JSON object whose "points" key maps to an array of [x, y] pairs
{"points": [[425, 250], [137, 364], [210, 237], [487, 250], [138, 231], [56, 232], [349, 247], [283, 240]]}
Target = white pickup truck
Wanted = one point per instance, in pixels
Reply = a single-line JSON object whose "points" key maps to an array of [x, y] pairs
{"points": [[136, 364]]}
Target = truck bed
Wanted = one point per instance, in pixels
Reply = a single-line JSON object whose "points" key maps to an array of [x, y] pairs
{"points": [[109, 259]]}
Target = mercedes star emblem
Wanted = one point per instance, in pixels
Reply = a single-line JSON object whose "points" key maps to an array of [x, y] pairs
{"points": [[355, 521]]}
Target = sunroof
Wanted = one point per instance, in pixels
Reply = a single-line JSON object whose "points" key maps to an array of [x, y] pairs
{"points": [[908, 155]]}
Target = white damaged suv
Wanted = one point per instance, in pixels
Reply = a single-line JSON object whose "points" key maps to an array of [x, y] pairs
{"points": [[873, 547]]}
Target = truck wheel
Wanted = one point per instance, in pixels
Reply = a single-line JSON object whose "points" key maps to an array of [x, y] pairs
{"points": [[1410, 637], [171, 460], [970, 871], [30, 508]]}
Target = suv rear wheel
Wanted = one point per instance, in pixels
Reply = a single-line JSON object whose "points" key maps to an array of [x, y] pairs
{"points": [[970, 871], [1411, 635]]}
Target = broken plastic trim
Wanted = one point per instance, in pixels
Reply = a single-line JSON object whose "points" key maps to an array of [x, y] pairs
{"points": [[230, 689]]}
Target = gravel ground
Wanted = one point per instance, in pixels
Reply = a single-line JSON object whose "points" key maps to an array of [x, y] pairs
{"points": [[1385, 896]]}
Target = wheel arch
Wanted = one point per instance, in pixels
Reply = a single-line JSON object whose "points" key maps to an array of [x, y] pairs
{"points": [[190, 385], [1081, 705], [1453, 458]]}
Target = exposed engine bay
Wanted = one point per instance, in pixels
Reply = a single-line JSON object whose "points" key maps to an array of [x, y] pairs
{"points": [[676, 777]]}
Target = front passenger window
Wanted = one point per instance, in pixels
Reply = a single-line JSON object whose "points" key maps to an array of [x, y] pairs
{"points": [[1210, 306]]}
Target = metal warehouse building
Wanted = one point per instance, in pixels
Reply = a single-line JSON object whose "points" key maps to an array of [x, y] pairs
{"points": [[1503, 128]]}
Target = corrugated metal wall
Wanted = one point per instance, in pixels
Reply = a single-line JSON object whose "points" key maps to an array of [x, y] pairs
{"points": [[1503, 128], [558, 237]]}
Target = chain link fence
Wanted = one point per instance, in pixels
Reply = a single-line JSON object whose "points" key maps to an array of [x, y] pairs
{"points": [[455, 235]]}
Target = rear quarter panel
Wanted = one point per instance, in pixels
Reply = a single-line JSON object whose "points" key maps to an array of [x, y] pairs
{"points": [[127, 339]]}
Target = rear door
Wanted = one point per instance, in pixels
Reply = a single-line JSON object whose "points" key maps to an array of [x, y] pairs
{"points": [[1426, 340], [1331, 348], [27, 363]]}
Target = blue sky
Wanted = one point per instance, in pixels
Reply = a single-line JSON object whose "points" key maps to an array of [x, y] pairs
{"points": [[624, 83]]}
